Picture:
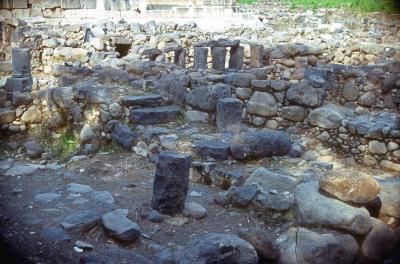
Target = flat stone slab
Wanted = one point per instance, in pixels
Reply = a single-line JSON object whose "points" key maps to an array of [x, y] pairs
{"points": [[153, 115], [120, 227], [215, 149], [47, 197], [55, 234], [317, 209], [23, 169], [270, 180], [79, 188], [80, 221], [145, 100]]}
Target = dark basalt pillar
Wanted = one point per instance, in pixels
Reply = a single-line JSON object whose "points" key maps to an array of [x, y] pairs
{"points": [[171, 182], [200, 58]]}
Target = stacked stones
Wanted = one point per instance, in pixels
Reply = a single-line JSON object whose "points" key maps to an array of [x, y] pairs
{"points": [[218, 54], [179, 54]]}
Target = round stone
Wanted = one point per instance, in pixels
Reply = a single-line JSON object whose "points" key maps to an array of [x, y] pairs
{"points": [[354, 187]]}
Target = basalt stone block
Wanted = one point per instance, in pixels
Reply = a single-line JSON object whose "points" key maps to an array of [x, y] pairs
{"points": [[171, 181], [229, 114], [145, 100], [259, 144], [153, 115], [218, 55], [256, 55], [236, 57], [200, 58], [21, 62], [180, 58], [215, 149], [19, 84]]}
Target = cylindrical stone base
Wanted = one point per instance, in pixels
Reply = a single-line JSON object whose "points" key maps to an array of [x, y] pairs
{"points": [[218, 55], [171, 182]]}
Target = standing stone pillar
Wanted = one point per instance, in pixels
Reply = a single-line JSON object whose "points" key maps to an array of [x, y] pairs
{"points": [[180, 58], [21, 79], [256, 55], [236, 55], [171, 182], [218, 55], [229, 114], [21, 62], [200, 58]]}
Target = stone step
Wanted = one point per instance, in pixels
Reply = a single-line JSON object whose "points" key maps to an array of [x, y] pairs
{"points": [[153, 115], [145, 100]]}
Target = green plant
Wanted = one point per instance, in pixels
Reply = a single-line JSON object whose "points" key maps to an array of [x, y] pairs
{"points": [[63, 146], [111, 148], [363, 6]]}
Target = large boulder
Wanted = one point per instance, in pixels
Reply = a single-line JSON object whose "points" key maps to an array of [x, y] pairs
{"points": [[317, 209], [328, 116], [259, 144], [354, 187], [305, 94], [206, 97], [263, 104], [218, 248], [302, 246], [270, 180]]}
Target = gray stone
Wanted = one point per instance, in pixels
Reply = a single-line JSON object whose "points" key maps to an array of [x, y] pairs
{"points": [[169, 142], [23, 169], [328, 116], [84, 245], [350, 91], [123, 135], [260, 144], [212, 247], [270, 180], [389, 195], [243, 93], [21, 62], [279, 202], [236, 55], [47, 197], [379, 244], [33, 149], [171, 181], [263, 104], [377, 147], [86, 134], [153, 115], [316, 209], [22, 84], [206, 97], [367, 99], [229, 114], [305, 94], [20, 98], [120, 227], [211, 148], [7, 115], [155, 217], [103, 201], [32, 115], [195, 211], [218, 55], [299, 245], [256, 55], [241, 196], [79, 188], [200, 58], [225, 42], [294, 113], [180, 58], [263, 241], [80, 221], [240, 79], [113, 254], [145, 100], [196, 116], [55, 234]]}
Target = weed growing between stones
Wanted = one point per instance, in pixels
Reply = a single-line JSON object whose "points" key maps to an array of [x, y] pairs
{"points": [[364, 6]]}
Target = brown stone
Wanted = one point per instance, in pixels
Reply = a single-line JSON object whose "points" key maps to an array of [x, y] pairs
{"points": [[354, 187]]}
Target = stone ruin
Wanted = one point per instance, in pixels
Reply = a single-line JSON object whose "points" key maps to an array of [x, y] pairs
{"points": [[122, 82]]}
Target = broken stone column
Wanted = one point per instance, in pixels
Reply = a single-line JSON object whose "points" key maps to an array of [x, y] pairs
{"points": [[236, 55], [21, 62], [171, 181], [200, 57], [21, 79], [229, 114], [180, 58], [256, 55], [218, 55]]}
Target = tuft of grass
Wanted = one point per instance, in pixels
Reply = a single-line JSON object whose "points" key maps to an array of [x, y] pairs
{"points": [[364, 6], [246, 2], [62, 147], [111, 148]]}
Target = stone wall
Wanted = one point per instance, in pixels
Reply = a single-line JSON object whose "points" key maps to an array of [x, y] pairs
{"points": [[294, 87]]}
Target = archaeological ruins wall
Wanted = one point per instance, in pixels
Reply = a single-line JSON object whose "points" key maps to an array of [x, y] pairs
{"points": [[288, 87]]}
